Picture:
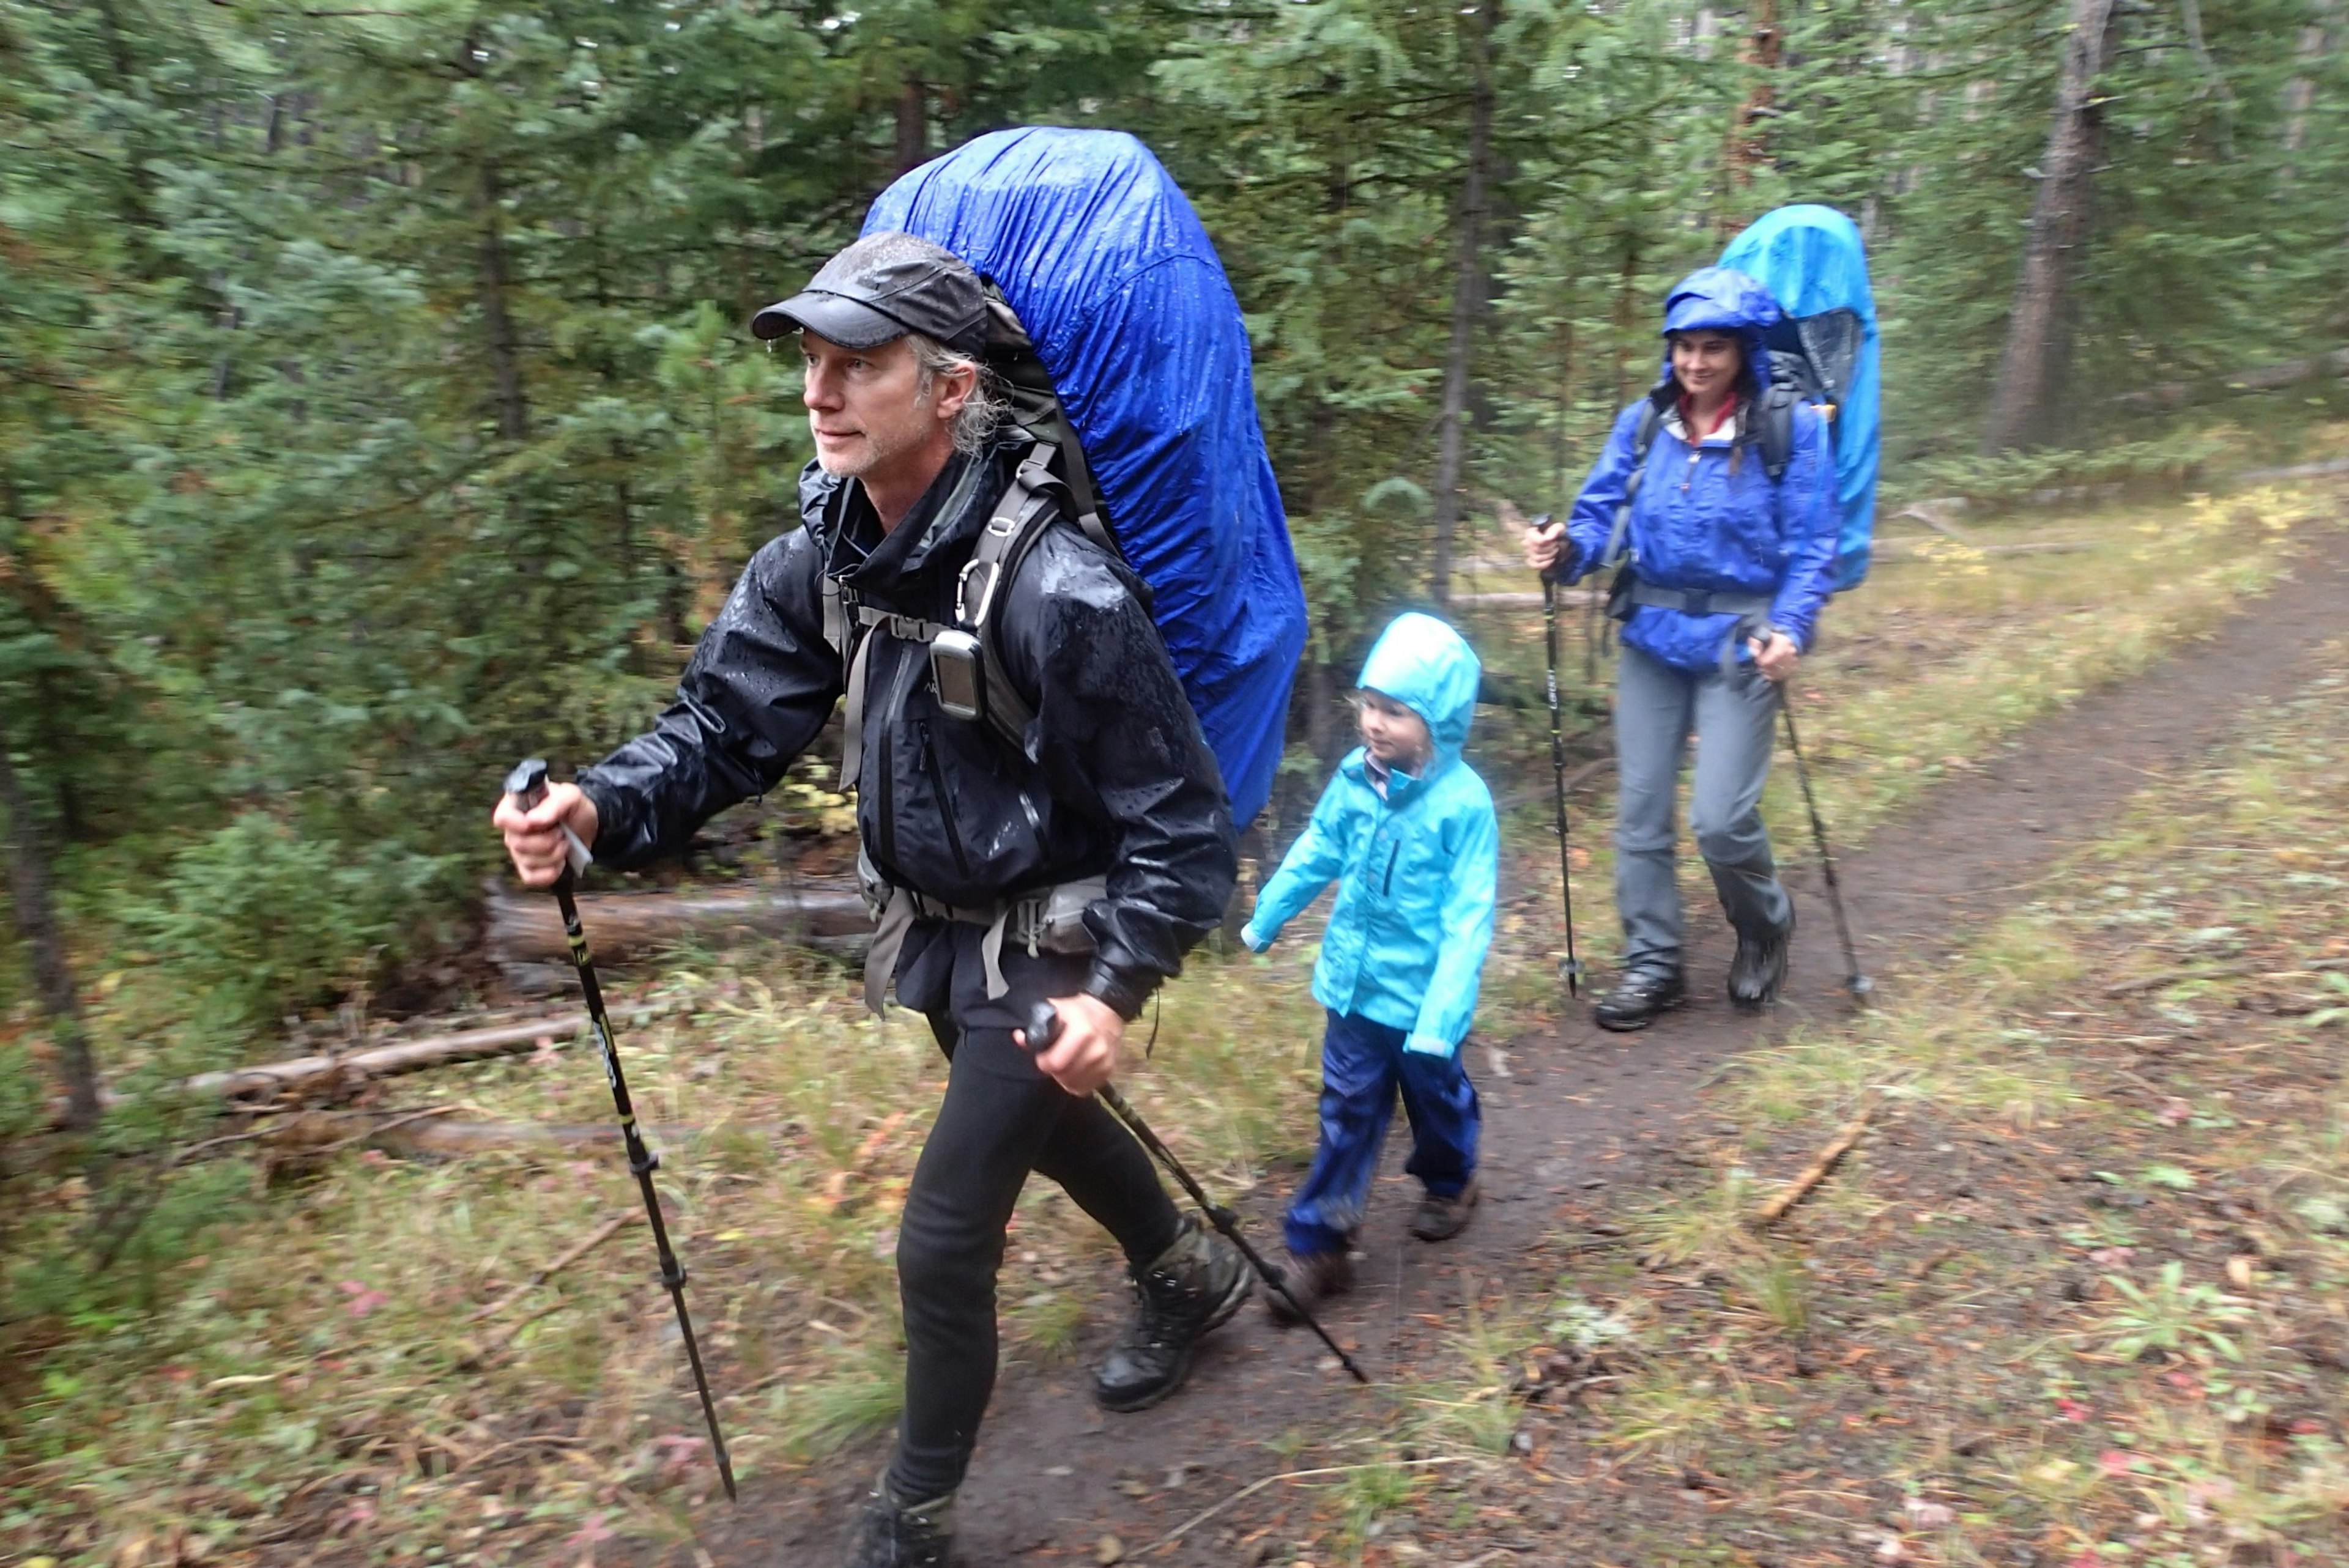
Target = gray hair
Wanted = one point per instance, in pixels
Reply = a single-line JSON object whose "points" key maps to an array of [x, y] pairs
{"points": [[975, 423]]}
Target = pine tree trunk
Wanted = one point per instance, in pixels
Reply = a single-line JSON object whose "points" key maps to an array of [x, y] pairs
{"points": [[1747, 150], [1467, 301], [497, 319], [913, 126], [1627, 314], [2059, 228], [37, 923], [2300, 92]]}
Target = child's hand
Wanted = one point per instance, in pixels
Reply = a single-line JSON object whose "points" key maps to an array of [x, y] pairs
{"points": [[1255, 943]]}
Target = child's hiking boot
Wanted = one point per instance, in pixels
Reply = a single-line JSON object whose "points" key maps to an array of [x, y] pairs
{"points": [[894, 1534], [1640, 998], [1190, 1288], [1310, 1277], [1440, 1219], [1759, 969]]}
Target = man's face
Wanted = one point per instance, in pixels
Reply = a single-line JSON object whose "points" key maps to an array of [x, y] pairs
{"points": [[1706, 363], [868, 412]]}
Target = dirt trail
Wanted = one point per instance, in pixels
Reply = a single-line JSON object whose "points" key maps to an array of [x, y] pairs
{"points": [[1569, 1115]]}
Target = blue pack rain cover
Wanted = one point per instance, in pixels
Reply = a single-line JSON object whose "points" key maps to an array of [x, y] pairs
{"points": [[1811, 260], [1110, 271]]}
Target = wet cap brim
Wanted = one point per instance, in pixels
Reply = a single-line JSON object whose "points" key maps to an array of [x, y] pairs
{"points": [[852, 323]]}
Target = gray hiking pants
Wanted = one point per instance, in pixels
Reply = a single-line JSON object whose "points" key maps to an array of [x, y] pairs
{"points": [[1656, 708]]}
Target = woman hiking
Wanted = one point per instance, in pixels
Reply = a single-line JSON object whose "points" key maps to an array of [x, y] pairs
{"points": [[1724, 568]]}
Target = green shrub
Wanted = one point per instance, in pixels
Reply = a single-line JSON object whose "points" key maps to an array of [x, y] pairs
{"points": [[257, 919]]}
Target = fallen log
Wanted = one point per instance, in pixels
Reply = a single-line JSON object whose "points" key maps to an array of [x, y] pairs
{"points": [[2258, 378], [269, 1079], [525, 930], [1523, 598]]}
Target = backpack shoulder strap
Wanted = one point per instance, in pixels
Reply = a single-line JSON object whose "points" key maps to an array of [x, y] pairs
{"points": [[1029, 505], [1652, 420], [1773, 431], [1643, 440]]}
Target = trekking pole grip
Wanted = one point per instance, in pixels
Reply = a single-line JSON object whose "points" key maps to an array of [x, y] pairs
{"points": [[527, 784]]}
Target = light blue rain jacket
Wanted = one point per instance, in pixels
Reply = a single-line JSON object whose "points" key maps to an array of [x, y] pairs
{"points": [[1416, 869], [1702, 522]]}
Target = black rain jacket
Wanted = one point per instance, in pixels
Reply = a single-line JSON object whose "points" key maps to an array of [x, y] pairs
{"points": [[1115, 779]]}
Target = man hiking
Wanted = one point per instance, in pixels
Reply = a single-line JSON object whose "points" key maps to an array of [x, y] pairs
{"points": [[1727, 566], [1076, 866]]}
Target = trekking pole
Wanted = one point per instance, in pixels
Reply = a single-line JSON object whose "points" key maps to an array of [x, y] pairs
{"points": [[1043, 1028], [527, 784], [1572, 967], [1856, 981]]}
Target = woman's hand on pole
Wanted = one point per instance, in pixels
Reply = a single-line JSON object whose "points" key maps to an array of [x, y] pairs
{"points": [[1085, 1055], [534, 838], [1777, 657], [1542, 543], [1544, 546]]}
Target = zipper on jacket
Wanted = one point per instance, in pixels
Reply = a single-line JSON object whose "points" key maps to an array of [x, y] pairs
{"points": [[1393, 854], [884, 734], [946, 803]]}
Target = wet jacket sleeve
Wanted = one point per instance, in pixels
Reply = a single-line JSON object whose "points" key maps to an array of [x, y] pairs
{"points": [[1313, 861], [758, 688], [1807, 521], [1113, 723], [1592, 521], [1450, 1005]]}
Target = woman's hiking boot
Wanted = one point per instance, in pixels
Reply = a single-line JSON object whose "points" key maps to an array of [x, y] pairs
{"points": [[894, 1534], [1310, 1277], [1760, 968], [1638, 997], [1190, 1288], [1440, 1219]]}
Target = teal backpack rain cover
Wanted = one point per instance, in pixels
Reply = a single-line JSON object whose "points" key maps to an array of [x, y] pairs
{"points": [[1100, 255], [1811, 260]]}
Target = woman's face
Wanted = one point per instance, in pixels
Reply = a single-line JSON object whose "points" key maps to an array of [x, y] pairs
{"points": [[1706, 364]]}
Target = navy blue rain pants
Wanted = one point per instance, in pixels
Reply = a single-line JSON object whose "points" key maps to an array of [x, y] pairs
{"points": [[1363, 1066]]}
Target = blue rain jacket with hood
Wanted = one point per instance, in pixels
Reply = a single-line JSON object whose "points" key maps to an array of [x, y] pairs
{"points": [[1708, 517], [1417, 867]]}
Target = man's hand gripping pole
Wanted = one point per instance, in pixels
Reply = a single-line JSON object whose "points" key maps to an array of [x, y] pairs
{"points": [[1044, 1026], [527, 784]]}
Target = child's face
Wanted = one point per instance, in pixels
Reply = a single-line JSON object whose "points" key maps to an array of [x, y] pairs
{"points": [[1395, 736]]}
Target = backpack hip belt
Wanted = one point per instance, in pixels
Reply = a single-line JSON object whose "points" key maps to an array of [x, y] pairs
{"points": [[1052, 921], [1752, 609]]}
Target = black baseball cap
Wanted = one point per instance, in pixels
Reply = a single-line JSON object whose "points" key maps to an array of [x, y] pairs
{"points": [[883, 287]]}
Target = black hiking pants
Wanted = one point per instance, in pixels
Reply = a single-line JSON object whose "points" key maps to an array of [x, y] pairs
{"points": [[1000, 1120]]}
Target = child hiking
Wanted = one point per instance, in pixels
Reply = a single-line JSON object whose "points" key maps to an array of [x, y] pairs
{"points": [[1407, 831]]}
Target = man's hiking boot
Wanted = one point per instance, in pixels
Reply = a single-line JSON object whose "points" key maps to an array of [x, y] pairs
{"points": [[1760, 968], [1190, 1288], [1638, 997], [893, 1534], [1310, 1277], [1441, 1219]]}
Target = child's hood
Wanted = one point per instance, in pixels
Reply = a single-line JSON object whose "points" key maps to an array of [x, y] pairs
{"points": [[1424, 663]]}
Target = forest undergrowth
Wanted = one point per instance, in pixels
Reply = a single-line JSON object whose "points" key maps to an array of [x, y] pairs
{"points": [[344, 1354]]}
